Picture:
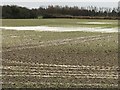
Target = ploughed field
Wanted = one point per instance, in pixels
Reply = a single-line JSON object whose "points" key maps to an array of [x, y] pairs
{"points": [[43, 59]]}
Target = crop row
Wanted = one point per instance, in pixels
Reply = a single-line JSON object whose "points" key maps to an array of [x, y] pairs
{"points": [[58, 42]]}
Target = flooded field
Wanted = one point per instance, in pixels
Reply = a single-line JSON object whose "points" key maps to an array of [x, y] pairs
{"points": [[60, 53]]}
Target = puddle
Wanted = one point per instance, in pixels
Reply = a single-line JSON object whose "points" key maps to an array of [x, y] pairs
{"points": [[63, 29], [98, 23]]}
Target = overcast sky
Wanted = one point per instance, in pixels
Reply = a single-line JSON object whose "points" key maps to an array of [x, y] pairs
{"points": [[60, 0], [44, 3]]}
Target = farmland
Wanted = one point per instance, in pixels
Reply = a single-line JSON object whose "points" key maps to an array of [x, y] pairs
{"points": [[59, 22], [44, 59]]}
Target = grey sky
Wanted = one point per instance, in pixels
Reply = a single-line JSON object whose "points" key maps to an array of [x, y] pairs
{"points": [[60, 0], [79, 4]]}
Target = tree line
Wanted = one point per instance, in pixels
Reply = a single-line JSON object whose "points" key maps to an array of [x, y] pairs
{"points": [[17, 12]]}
